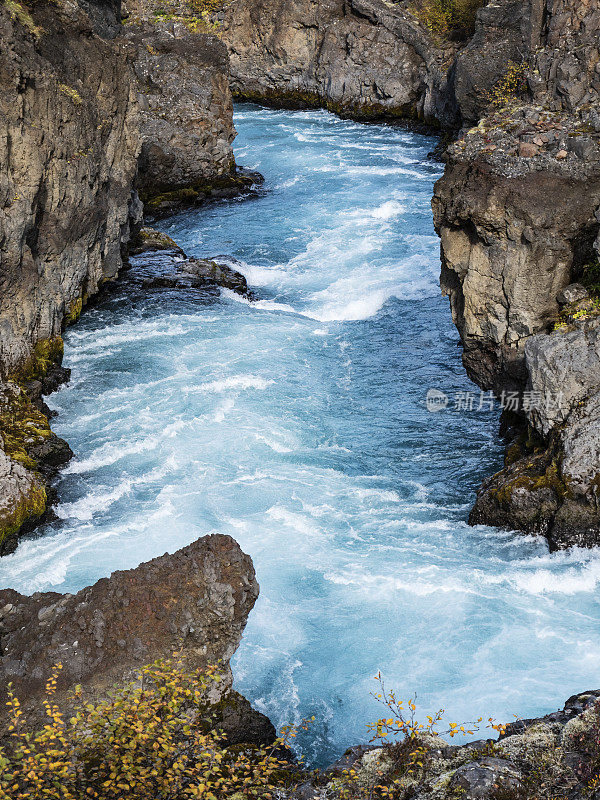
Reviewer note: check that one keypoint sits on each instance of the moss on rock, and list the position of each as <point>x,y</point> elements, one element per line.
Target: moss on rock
<point>74,309</point>
<point>26,438</point>
<point>226,185</point>
<point>46,354</point>
<point>149,239</point>
<point>29,508</point>
<point>22,426</point>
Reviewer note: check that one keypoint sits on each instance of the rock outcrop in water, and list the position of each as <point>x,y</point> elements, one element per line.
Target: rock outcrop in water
<point>194,602</point>
<point>166,266</point>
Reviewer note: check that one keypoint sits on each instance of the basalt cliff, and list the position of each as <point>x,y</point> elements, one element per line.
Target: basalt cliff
<point>518,215</point>
<point>94,114</point>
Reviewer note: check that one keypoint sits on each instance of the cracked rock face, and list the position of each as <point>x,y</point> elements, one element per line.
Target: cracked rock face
<point>554,487</point>
<point>187,118</point>
<point>69,142</point>
<point>195,602</point>
<point>518,214</point>
<point>362,58</point>
<point>506,254</point>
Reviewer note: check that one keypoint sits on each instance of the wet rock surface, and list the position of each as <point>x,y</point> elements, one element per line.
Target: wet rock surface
<point>194,602</point>
<point>159,263</point>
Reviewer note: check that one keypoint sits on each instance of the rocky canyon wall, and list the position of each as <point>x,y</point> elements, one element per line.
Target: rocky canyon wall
<point>360,58</point>
<point>187,114</point>
<point>92,112</point>
<point>518,213</point>
<point>69,146</point>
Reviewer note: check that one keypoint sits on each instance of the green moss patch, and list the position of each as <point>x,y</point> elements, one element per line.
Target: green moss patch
<point>30,507</point>
<point>590,278</point>
<point>151,239</point>
<point>367,112</point>
<point>46,354</point>
<point>22,427</point>
<point>532,474</point>
<point>74,309</point>
<point>197,193</point>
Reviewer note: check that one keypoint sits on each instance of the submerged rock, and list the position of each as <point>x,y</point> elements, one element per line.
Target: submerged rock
<point>165,266</point>
<point>194,602</point>
<point>149,240</point>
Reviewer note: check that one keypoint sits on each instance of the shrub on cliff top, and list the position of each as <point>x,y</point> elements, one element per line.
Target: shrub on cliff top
<point>151,739</point>
<point>448,17</point>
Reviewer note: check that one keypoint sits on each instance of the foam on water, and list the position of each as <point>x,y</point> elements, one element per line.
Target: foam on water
<point>297,424</point>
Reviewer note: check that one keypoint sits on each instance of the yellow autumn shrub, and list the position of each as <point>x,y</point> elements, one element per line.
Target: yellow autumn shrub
<point>151,739</point>
<point>448,16</point>
<point>510,85</point>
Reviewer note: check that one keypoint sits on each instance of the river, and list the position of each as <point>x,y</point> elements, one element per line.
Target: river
<point>298,424</point>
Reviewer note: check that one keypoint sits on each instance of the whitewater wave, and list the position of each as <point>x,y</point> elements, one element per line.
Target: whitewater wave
<point>233,382</point>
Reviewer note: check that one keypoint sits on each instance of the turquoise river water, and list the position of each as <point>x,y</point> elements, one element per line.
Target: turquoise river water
<point>298,424</point>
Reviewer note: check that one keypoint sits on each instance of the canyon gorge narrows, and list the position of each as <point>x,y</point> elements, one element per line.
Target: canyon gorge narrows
<point>282,421</point>
<point>96,111</point>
